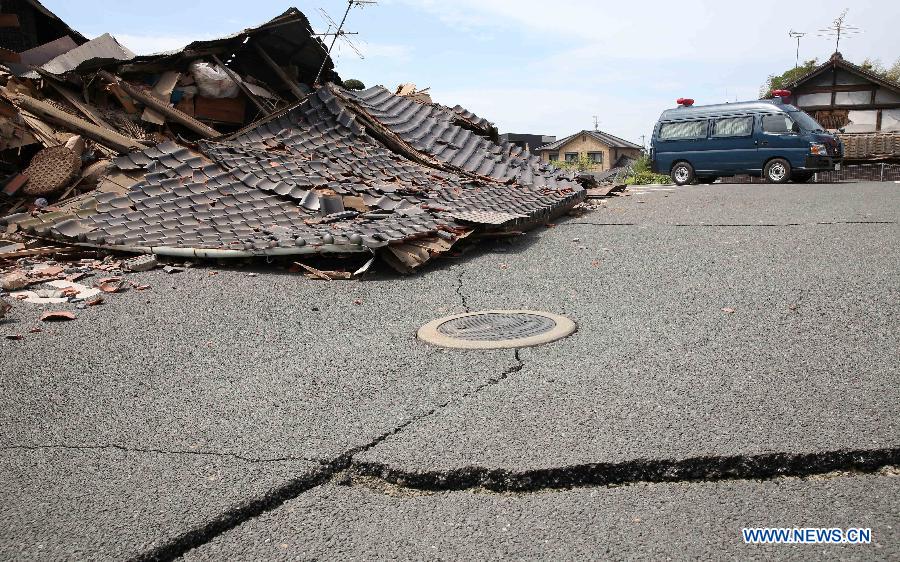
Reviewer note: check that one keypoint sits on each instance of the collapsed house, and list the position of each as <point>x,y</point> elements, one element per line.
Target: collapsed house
<point>233,148</point>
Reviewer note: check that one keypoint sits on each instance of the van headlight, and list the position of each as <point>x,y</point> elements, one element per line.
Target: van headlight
<point>818,149</point>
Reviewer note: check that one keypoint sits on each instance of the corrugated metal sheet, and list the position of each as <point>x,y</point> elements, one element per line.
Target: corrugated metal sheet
<point>103,47</point>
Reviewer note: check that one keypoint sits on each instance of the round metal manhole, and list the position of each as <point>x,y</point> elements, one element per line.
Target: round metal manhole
<point>496,329</point>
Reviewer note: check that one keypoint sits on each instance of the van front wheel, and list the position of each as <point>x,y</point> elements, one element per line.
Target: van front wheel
<point>682,173</point>
<point>777,170</point>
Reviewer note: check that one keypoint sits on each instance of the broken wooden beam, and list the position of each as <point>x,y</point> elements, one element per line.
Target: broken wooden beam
<point>295,89</point>
<point>160,106</point>
<point>72,98</point>
<point>237,80</point>
<point>104,136</point>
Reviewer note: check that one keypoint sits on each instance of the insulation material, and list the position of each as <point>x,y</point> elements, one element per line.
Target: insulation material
<point>213,81</point>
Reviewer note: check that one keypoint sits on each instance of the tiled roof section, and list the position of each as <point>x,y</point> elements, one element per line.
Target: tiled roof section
<point>431,129</point>
<point>311,180</point>
<point>837,61</point>
<point>606,138</point>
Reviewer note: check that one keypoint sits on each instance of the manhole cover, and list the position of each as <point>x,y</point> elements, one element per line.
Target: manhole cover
<point>496,329</point>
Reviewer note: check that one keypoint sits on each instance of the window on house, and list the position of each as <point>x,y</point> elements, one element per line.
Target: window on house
<point>733,127</point>
<point>554,156</point>
<point>571,157</point>
<point>682,130</point>
<point>595,157</point>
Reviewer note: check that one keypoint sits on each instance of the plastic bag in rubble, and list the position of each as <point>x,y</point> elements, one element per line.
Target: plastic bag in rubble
<point>213,81</point>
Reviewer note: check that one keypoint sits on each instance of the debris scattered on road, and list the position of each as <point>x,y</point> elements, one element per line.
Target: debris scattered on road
<point>111,284</point>
<point>728,310</point>
<point>57,316</point>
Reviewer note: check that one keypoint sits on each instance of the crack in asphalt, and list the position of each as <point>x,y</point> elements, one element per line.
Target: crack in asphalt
<point>459,290</point>
<point>249,510</point>
<point>114,446</point>
<point>706,469</point>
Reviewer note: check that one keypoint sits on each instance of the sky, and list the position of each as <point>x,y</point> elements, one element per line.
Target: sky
<point>539,67</point>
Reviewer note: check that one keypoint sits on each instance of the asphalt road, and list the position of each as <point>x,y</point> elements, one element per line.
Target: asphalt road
<point>271,416</point>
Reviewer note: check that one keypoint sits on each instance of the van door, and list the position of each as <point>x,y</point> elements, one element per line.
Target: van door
<point>681,140</point>
<point>734,147</point>
<point>779,138</point>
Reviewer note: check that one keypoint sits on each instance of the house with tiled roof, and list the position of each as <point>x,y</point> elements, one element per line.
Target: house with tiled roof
<point>859,105</point>
<point>603,149</point>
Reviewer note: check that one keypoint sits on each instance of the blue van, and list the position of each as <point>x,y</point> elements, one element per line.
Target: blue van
<point>765,138</point>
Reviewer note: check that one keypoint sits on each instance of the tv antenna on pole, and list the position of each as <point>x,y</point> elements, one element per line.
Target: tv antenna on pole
<point>797,35</point>
<point>839,28</point>
<point>339,32</point>
<point>596,123</point>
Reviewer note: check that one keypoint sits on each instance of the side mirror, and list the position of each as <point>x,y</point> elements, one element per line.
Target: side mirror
<point>842,130</point>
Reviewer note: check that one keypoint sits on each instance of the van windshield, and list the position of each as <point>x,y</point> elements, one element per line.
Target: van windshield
<point>806,122</point>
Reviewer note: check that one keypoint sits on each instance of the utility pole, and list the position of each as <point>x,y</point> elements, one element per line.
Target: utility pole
<point>797,35</point>
<point>339,32</point>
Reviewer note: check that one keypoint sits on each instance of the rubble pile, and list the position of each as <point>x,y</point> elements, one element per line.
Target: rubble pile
<point>231,148</point>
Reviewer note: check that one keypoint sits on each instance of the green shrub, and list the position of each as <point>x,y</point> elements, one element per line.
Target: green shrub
<point>641,174</point>
<point>354,84</point>
<point>583,164</point>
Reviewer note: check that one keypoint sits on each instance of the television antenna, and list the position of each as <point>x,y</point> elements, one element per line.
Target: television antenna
<point>797,35</point>
<point>339,32</point>
<point>596,123</point>
<point>839,28</point>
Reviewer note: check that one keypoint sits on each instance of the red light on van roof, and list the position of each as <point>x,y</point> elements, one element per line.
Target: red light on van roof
<point>782,93</point>
<point>687,102</point>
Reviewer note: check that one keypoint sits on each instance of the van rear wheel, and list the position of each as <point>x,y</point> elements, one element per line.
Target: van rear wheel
<point>777,170</point>
<point>682,173</point>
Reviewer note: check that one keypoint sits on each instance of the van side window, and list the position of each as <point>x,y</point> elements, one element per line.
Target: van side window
<point>683,130</point>
<point>733,127</point>
<point>777,124</point>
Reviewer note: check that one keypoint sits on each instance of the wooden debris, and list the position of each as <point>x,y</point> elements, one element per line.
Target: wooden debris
<point>104,136</point>
<point>159,106</point>
<point>324,275</point>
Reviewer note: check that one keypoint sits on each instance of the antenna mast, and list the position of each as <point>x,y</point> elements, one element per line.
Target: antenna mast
<point>797,35</point>
<point>838,29</point>
<point>340,32</point>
